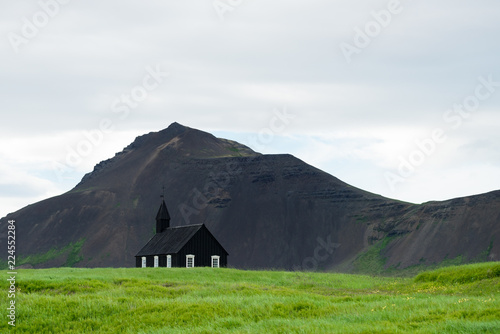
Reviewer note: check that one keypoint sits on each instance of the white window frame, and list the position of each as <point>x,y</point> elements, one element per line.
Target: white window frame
<point>215,257</point>
<point>143,262</point>
<point>189,257</point>
<point>156,263</point>
<point>169,261</point>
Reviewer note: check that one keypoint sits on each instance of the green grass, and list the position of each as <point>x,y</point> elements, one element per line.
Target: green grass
<point>462,274</point>
<point>462,299</point>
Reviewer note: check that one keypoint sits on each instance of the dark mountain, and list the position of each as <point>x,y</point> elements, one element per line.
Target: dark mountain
<point>268,211</point>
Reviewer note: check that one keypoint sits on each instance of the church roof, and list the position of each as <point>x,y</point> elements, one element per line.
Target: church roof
<point>169,241</point>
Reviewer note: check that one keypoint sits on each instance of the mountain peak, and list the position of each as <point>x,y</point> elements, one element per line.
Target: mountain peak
<point>175,142</point>
<point>176,125</point>
<point>175,128</point>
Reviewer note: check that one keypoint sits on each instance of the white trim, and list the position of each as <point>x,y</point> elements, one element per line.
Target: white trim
<point>143,262</point>
<point>156,261</point>
<point>215,261</point>
<point>169,261</point>
<point>190,257</point>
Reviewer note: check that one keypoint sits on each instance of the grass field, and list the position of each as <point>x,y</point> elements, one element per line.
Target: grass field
<point>462,299</point>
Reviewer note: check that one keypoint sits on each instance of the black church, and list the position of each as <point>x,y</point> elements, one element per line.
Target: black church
<point>184,246</point>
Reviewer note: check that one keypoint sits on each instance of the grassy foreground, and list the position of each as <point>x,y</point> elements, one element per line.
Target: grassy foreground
<point>462,299</point>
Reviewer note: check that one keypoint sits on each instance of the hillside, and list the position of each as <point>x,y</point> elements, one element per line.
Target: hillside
<point>269,211</point>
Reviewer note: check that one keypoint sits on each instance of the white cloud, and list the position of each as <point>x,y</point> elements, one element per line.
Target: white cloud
<point>354,120</point>
<point>33,168</point>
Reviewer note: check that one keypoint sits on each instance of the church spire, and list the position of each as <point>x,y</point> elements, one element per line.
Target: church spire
<point>162,217</point>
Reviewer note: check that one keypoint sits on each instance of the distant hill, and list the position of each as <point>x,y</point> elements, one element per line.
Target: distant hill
<point>268,211</point>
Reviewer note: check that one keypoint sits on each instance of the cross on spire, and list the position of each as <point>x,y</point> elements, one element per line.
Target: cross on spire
<point>162,192</point>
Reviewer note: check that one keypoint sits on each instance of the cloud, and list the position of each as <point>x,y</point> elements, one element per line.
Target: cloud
<point>228,76</point>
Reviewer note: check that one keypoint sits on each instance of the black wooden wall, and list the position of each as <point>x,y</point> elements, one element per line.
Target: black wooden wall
<point>202,245</point>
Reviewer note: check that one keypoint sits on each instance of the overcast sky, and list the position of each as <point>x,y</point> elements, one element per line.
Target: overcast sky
<point>400,98</point>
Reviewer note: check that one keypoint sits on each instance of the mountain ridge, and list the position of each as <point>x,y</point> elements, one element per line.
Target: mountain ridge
<point>272,211</point>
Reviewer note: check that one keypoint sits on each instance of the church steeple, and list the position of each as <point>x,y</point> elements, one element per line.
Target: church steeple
<point>162,217</point>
